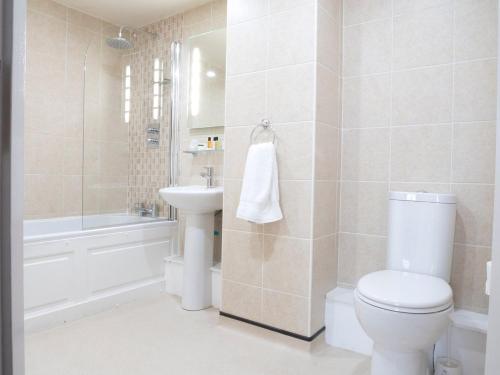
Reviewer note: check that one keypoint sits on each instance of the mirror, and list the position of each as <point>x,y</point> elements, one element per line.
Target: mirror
<point>207,79</point>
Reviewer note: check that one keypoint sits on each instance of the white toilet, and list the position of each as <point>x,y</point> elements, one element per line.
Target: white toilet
<point>405,309</point>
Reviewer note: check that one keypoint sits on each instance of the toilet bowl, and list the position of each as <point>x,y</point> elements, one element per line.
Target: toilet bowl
<point>404,314</point>
<point>405,308</point>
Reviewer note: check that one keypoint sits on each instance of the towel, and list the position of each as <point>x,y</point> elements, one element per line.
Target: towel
<point>259,199</point>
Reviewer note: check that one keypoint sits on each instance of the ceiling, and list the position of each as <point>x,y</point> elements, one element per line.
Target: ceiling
<point>132,12</point>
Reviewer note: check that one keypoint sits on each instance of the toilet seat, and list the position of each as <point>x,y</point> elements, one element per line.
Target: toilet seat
<point>405,292</point>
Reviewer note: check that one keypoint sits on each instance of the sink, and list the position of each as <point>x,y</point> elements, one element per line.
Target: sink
<point>199,203</point>
<point>194,199</point>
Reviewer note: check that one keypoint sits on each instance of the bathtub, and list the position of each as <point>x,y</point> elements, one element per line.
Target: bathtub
<point>78,266</point>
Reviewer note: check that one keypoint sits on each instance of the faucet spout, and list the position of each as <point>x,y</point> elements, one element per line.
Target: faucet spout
<point>208,175</point>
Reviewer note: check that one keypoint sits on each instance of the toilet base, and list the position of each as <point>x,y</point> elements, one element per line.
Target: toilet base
<point>392,362</point>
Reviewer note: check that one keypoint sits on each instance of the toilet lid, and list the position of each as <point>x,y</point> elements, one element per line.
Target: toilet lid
<point>405,291</point>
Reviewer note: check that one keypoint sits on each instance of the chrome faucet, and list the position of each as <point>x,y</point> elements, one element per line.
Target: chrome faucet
<point>208,174</point>
<point>151,211</point>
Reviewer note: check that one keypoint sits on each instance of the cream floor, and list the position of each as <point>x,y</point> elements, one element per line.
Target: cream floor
<point>156,337</point>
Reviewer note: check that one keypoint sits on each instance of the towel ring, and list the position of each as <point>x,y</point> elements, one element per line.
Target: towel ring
<point>266,125</point>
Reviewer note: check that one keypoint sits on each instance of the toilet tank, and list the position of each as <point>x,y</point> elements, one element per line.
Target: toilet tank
<point>421,231</point>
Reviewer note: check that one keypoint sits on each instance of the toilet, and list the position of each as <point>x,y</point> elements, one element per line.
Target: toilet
<point>405,308</point>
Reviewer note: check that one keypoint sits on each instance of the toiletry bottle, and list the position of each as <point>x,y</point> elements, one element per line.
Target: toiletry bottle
<point>216,143</point>
<point>209,143</point>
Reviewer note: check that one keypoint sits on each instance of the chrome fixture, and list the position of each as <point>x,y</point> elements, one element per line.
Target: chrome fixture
<point>153,142</point>
<point>174,128</point>
<point>142,210</point>
<point>266,126</point>
<point>208,174</point>
<point>152,130</point>
<point>120,42</point>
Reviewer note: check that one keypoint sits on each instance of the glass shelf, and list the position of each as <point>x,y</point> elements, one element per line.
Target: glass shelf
<point>201,152</point>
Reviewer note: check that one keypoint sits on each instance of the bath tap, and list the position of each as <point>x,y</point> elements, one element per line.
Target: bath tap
<point>141,210</point>
<point>208,174</point>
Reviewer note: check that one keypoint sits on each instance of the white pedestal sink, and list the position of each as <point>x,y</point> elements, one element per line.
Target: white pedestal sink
<point>199,204</point>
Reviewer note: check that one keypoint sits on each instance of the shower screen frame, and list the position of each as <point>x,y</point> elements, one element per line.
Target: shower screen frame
<point>174,136</point>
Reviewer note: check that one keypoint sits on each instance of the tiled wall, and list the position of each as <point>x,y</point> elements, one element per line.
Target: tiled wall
<point>108,164</point>
<point>419,106</point>
<point>282,67</point>
<point>57,38</point>
<point>149,167</point>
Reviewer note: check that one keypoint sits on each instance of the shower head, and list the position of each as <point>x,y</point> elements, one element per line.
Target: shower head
<point>119,42</point>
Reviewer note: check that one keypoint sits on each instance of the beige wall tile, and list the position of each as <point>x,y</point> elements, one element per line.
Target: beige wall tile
<point>474,214</point>
<point>296,205</point>
<point>243,10</point>
<point>291,39</point>
<point>114,158</point>
<point>197,15</point>
<point>48,7</point>
<point>324,277</point>
<point>409,6</point>
<point>329,40</point>
<point>474,153</point>
<point>424,37</point>
<point>232,191</point>
<point>475,91</point>
<point>360,11</point>
<point>246,99</point>
<point>242,300</point>
<point>420,186</point>
<point>325,208</point>
<point>237,141</point>
<point>327,96</point>
<point>475,29</point>
<point>422,96</point>
<point>285,311</point>
<point>295,150</point>
<point>366,101</point>
<point>287,264</point>
<point>333,8</point>
<point>43,154</point>
<point>282,5</point>
<point>291,93</point>
<point>84,20</point>
<point>254,36</point>
<point>366,155</point>
<point>45,33</point>
<point>421,153</point>
<point>73,156</point>
<point>243,256</point>
<point>360,255</point>
<point>326,152</point>
<point>43,195</point>
<point>469,277</point>
<point>367,48</point>
<point>363,207</point>
<point>72,195</point>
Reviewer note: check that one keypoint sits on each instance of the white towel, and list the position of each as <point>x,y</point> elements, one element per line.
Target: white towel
<point>259,199</point>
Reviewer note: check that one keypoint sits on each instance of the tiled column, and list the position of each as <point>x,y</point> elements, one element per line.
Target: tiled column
<point>283,65</point>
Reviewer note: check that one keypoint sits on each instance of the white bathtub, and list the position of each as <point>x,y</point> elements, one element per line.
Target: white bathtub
<point>70,272</point>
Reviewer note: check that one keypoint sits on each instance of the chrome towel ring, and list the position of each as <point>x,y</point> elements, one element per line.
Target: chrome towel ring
<point>266,125</point>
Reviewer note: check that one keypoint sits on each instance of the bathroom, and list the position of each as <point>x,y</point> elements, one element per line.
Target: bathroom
<point>250,187</point>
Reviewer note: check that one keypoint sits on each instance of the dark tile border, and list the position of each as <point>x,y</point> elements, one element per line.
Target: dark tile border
<point>274,329</point>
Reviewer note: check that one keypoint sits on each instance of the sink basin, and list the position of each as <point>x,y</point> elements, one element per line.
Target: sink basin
<point>194,199</point>
<point>199,203</point>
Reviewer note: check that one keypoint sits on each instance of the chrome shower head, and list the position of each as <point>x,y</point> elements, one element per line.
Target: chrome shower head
<point>119,42</point>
